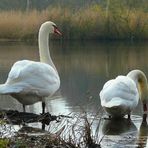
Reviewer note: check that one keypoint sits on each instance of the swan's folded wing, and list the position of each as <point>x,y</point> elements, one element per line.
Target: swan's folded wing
<point>120,91</point>
<point>13,77</point>
<point>32,78</point>
<point>16,69</point>
<point>9,89</point>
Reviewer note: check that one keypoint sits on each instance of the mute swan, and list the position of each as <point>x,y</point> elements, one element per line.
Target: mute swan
<point>30,81</point>
<point>120,96</point>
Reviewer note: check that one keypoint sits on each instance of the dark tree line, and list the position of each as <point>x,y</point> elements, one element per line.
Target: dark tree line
<point>42,4</point>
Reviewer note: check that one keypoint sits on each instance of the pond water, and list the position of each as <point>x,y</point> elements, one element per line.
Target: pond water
<point>83,68</point>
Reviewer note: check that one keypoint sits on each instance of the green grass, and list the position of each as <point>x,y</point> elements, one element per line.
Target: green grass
<point>86,23</point>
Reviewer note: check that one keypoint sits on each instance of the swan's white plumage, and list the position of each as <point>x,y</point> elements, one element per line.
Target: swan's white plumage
<point>29,81</point>
<point>31,78</point>
<point>119,96</point>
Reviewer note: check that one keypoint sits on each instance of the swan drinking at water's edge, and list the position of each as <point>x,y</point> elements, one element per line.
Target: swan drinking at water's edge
<point>30,81</point>
<point>120,96</point>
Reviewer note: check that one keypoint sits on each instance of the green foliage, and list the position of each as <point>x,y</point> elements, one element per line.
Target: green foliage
<point>4,143</point>
<point>20,143</point>
<point>2,122</point>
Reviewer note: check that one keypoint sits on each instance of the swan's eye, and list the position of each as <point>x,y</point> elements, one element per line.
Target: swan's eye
<point>55,26</point>
<point>56,30</point>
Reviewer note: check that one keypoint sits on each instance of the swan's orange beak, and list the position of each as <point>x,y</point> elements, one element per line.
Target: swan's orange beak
<point>56,31</point>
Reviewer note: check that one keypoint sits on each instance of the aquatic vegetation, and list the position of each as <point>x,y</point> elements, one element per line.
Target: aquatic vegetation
<point>4,143</point>
<point>92,22</point>
<point>81,130</point>
<point>73,131</point>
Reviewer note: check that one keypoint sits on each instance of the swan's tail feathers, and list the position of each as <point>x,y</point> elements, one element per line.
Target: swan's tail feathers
<point>8,89</point>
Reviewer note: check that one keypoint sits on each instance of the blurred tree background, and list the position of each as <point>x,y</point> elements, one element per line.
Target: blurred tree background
<point>86,19</point>
<point>42,4</point>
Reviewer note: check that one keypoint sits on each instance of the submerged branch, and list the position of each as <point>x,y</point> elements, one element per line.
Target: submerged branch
<point>16,117</point>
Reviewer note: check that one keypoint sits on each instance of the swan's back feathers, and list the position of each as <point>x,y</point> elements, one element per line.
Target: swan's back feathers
<point>121,91</point>
<point>29,77</point>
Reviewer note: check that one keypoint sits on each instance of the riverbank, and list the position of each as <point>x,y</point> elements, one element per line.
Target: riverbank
<point>91,23</point>
<point>68,134</point>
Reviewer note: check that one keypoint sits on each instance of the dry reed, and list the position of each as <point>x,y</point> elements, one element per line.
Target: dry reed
<point>90,23</point>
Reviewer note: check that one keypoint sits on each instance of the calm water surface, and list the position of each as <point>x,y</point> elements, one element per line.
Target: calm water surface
<point>83,68</point>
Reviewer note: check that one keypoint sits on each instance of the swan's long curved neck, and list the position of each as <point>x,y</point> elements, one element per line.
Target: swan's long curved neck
<point>141,82</point>
<point>44,52</point>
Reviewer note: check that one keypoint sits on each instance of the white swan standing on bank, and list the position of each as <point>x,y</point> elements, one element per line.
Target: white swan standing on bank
<point>120,96</point>
<point>30,81</point>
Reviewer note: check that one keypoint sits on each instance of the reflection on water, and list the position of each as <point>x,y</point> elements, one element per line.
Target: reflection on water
<point>118,133</point>
<point>117,126</point>
<point>83,68</point>
<point>143,135</point>
<point>124,133</point>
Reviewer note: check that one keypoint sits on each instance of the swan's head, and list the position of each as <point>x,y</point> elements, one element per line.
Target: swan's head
<point>50,27</point>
